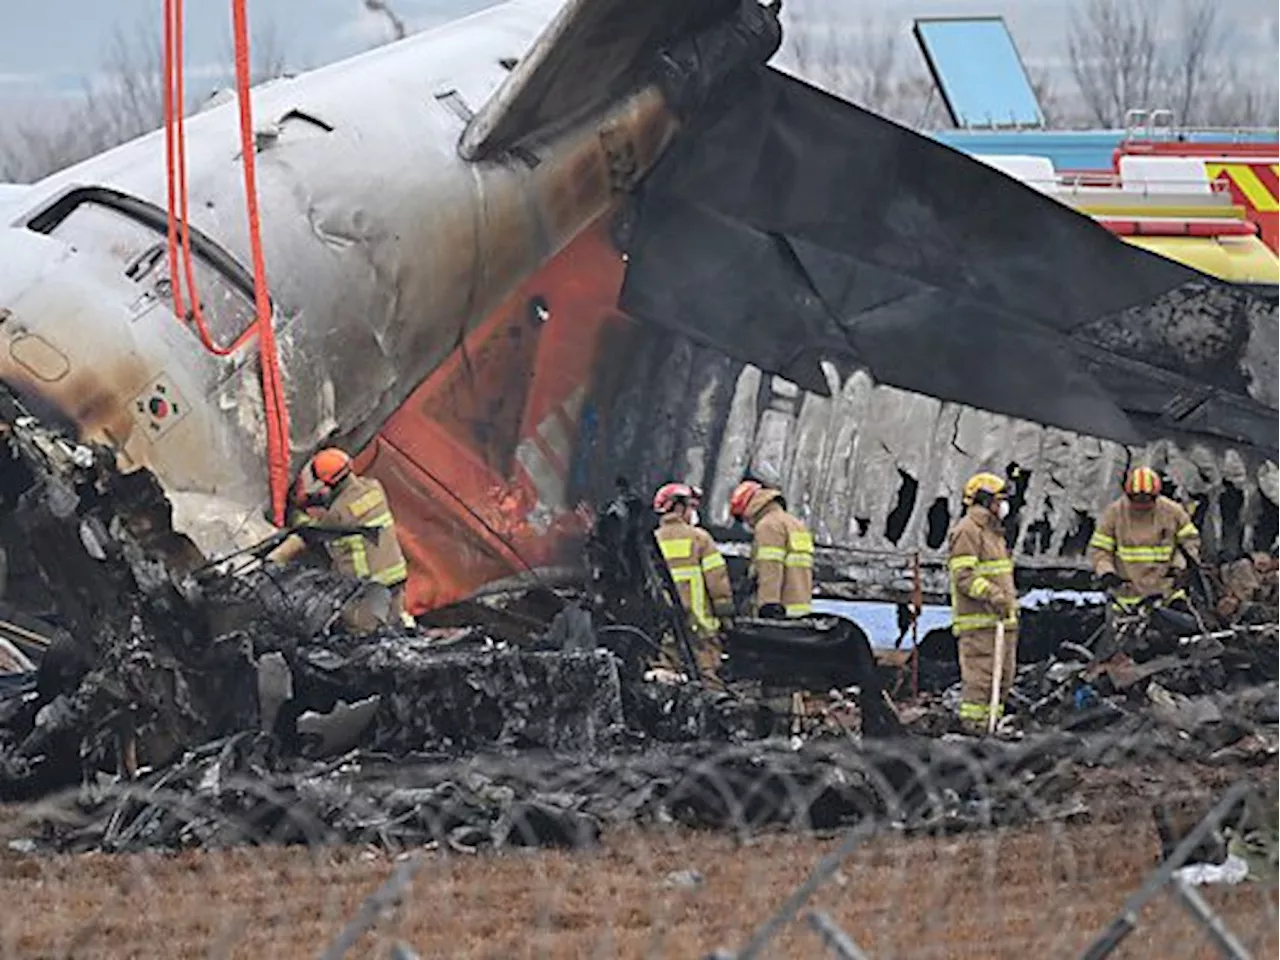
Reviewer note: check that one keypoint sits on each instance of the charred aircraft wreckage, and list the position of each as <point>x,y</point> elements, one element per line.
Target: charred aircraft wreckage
<point>509,261</point>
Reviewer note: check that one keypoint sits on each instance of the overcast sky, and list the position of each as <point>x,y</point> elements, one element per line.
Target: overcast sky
<point>51,46</point>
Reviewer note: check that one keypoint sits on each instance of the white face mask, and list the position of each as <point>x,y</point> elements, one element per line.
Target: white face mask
<point>1002,511</point>
<point>693,516</point>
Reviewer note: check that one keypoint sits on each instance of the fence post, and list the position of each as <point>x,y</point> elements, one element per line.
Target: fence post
<point>836,940</point>
<point>1209,921</point>
<point>1127,920</point>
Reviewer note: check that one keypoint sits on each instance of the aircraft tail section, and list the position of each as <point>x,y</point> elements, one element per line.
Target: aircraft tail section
<point>595,52</point>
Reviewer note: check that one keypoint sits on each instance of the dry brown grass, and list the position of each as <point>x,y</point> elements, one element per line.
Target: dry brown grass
<point>1039,892</point>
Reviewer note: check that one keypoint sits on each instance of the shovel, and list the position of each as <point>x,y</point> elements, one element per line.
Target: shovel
<point>996,678</point>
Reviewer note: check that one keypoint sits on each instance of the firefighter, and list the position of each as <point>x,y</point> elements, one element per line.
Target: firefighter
<point>697,568</point>
<point>1137,549</point>
<point>329,493</point>
<point>781,551</point>
<point>982,595</point>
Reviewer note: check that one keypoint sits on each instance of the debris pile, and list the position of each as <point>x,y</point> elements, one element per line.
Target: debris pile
<point>463,701</point>
<point>231,792</point>
<point>228,792</point>
<point>1248,589</point>
<point>163,652</point>
<point>191,706</point>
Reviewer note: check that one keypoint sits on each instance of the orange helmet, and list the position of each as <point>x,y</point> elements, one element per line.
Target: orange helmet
<point>1142,481</point>
<point>331,466</point>
<point>740,499</point>
<point>668,494</point>
<point>323,472</point>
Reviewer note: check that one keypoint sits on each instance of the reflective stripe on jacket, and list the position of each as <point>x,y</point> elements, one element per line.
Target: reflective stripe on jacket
<point>1141,547</point>
<point>981,572</point>
<point>699,571</point>
<point>781,556</point>
<point>361,502</point>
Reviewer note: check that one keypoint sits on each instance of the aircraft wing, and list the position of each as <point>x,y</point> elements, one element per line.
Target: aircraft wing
<point>784,224</point>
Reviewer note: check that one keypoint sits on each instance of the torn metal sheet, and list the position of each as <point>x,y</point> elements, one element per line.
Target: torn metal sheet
<point>183,675</point>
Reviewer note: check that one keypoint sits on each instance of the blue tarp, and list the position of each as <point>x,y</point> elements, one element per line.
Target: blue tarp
<point>880,620</point>
<point>1071,149</point>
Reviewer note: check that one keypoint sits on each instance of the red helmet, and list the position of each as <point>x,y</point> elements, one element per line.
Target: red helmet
<point>696,492</point>
<point>664,501</point>
<point>741,497</point>
<point>1143,481</point>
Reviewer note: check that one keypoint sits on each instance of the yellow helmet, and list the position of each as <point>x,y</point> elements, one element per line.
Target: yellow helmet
<point>982,483</point>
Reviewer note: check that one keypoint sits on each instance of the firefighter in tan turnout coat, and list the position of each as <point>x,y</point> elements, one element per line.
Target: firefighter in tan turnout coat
<point>781,552</point>
<point>982,595</point>
<point>330,494</point>
<point>698,569</point>
<point>1137,549</point>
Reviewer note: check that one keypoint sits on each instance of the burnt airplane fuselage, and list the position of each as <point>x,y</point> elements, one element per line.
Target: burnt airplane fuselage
<point>384,250</point>
<point>444,220</point>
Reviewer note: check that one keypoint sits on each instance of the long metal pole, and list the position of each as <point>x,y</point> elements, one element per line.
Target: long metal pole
<point>917,598</point>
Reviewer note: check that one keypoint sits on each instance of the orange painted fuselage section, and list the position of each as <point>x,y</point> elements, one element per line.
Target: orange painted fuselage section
<point>478,462</point>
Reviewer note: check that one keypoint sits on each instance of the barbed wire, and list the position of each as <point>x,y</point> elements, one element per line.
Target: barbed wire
<point>943,848</point>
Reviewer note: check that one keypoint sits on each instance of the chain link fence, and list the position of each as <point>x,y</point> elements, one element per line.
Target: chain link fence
<point>897,849</point>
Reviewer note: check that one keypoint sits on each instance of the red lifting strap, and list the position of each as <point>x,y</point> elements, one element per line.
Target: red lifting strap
<point>277,412</point>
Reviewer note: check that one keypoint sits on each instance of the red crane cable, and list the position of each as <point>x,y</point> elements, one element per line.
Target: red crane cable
<point>175,286</point>
<point>276,410</point>
<point>184,213</point>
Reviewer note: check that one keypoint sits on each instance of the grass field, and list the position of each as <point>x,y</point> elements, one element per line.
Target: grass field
<point>1030,892</point>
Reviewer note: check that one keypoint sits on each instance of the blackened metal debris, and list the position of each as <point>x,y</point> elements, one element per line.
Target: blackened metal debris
<point>212,704</point>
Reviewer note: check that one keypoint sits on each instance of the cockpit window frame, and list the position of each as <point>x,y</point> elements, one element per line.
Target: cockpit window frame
<point>47,219</point>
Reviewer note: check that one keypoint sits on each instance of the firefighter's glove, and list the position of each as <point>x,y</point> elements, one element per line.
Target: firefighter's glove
<point>1110,580</point>
<point>773,611</point>
<point>724,609</point>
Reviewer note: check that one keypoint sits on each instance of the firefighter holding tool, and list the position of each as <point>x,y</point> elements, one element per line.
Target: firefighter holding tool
<point>329,493</point>
<point>984,603</point>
